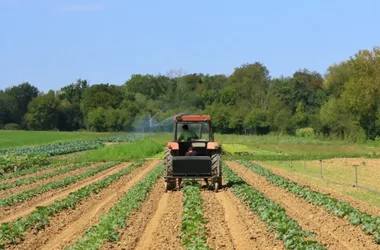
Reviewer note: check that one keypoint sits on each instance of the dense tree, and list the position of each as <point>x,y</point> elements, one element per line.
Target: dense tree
<point>43,112</point>
<point>8,109</point>
<point>345,104</point>
<point>71,117</point>
<point>22,94</point>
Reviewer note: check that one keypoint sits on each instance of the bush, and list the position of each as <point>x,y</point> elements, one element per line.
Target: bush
<point>305,132</point>
<point>12,126</point>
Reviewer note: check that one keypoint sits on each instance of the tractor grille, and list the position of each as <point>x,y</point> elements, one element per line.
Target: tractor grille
<point>192,166</point>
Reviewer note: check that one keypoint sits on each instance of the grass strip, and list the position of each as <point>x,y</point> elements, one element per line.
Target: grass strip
<point>194,232</point>
<point>369,225</point>
<point>108,226</point>
<point>33,179</point>
<point>286,229</point>
<point>23,196</point>
<point>39,218</point>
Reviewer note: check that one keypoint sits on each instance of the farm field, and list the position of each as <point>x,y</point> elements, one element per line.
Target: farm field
<point>122,205</point>
<point>113,197</point>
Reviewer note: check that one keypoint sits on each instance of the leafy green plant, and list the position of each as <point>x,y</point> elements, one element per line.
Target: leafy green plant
<point>286,229</point>
<point>369,225</point>
<point>109,224</point>
<point>39,218</point>
<point>193,223</point>
<point>20,197</point>
<point>13,163</point>
<point>33,179</point>
<point>30,170</point>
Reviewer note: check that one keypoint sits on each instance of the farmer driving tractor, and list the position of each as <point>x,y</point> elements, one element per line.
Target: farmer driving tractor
<point>187,135</point>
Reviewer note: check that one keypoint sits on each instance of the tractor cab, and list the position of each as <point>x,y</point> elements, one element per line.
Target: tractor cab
<point>193,135</point>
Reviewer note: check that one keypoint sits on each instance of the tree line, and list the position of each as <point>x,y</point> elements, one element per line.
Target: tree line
<point>343,103</point>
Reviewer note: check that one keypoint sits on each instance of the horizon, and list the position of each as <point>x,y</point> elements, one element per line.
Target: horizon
<point>52,44</point>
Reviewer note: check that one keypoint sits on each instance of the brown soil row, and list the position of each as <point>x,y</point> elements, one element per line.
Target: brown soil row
<point>35,174</point>
<point>332,232</point>
<point>231,225</point>
<point>4,193</point>
<point>162,231</point>
<point>69,225</point>
<point>25,208</point>
<point>143,223</point>
<point>365,207</point>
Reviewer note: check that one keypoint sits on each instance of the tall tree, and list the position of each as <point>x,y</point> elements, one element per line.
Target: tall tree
<point>70,96</point>
<point>43,112</point>
<point>8,109</point>
<point>23,94</point>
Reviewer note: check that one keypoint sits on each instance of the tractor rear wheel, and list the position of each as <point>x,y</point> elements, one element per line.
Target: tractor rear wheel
<point>168,162</point>
<point>216,170</point>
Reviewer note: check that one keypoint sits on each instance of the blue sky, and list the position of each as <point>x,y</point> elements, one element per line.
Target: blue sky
<point>51,43</point>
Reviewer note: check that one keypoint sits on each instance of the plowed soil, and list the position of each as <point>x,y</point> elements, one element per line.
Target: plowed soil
<point>143,223</point>
<point>4,193</point>
<point>162,231</point>
<point>354,202</point>
<point>25,208</point>
<point>69,225</point>
<point>158,222</point>
<point>332,232</point>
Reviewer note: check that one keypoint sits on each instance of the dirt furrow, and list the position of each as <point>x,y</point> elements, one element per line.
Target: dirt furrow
<point>246,229</point>
<point>69,225</point>
<point>365,207</point>
<point>218,236</point>
<point>164,228</point>
<point>332,232</point>
<point>4,193</point>
<point>141,224</point>
<point>23,209</point>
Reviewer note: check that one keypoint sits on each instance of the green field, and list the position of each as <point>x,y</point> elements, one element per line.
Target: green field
<point>15,139</point>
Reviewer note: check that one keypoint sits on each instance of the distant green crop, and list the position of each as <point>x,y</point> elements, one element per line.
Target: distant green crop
<point>370,225</point>
<point>13,163</point>
<point>61,148</point>
<point>287,229</point>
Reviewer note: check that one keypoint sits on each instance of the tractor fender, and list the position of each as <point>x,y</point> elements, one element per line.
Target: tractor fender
<point>212,145</point>
<point>173,145</point>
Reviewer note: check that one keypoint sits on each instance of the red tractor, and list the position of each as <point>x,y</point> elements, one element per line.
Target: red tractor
<point>194,154</point>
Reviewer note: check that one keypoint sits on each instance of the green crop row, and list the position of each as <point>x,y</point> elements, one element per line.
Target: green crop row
<point>39,218</point>
<point>287,229</point>
<point>20,197</point>
<point>61,148</point>
<point>33,179</point>
<point>14,163</point>
<point>370,225</point>
<point>31,170</point>
<point>193,223</point>
<point>109,225</point>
